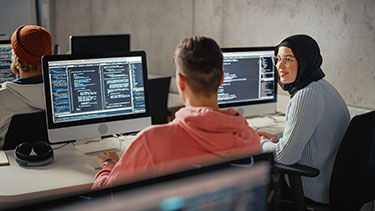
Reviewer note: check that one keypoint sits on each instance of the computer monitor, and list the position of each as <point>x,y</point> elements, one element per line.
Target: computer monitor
<point>250,84</point>
<point>99,43</point>
<point>226,189</point>
<point>6,73</point>
<point>95,95</point>
<point>159,90</point>
<point>222,189</point>
<point>226,185</point>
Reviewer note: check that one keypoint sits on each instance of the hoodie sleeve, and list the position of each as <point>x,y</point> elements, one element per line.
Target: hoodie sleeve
<point>134,164</point>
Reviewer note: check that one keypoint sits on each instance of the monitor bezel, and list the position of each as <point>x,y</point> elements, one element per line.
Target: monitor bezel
<point>48,98</point>
<point>245,103</point>
<point>5,42</point>
<point>75,39</point>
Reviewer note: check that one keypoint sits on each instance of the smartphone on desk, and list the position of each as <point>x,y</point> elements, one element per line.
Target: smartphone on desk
<point>3,159</point>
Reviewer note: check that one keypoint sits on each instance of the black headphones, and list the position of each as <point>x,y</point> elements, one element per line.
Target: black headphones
<point>44,154</point>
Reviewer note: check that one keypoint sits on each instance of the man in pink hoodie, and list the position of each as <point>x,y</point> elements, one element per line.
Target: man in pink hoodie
<point>200,132</point>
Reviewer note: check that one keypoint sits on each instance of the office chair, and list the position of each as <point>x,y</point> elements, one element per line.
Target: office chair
<point>29,127</point>
<point>353,176</point>
<point>352,181</point>
<point>159,90</point>
<point>294,173</point>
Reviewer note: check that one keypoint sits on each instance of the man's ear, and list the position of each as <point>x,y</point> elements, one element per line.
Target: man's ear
<point>222,79</point>
<point>181,81</point>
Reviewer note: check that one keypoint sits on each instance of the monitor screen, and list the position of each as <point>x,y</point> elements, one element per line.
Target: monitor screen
<point>91,96</point>
<point>99,43</point>
<point>6,73</point>
<point>249,81</point>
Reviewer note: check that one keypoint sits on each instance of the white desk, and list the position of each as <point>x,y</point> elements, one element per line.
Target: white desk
<point>70,172</point>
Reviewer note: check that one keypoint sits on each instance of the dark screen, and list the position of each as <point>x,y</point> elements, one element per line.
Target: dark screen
<point>99,43</point>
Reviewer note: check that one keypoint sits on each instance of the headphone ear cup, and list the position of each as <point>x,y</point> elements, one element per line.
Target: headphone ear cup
<point>40,147</point>
<point>24,148</point>
<point>22,152</point>
<point>43,150</point>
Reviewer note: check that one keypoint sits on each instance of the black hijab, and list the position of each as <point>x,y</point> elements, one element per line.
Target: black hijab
<point>307,53</point>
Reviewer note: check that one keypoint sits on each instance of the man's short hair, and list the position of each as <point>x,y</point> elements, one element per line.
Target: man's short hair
<point>202,62</point>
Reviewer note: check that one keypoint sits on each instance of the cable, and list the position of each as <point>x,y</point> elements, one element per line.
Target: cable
<point>90,141</point>
<point>271,117</point>
<point>123,138</point>
<point>59,147</point>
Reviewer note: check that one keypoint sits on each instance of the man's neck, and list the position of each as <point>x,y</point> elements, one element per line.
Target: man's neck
<point>201,101</point>
<point>29,74</point>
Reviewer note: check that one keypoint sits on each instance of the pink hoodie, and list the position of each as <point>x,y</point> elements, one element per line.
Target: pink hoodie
<point>196,136</point>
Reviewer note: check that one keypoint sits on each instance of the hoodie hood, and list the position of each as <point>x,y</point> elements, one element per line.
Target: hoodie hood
<point>29,94</point>
<point>221,132</point>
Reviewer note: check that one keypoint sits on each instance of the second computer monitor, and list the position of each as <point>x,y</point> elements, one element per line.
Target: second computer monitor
<point>95,95</point>
<point>159,90</point>
<point>6,73</point>
<point>249,81</point>
<point>87,44</point>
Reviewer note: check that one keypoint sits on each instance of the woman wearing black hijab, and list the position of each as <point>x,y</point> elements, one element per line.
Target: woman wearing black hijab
<point>316,116</point>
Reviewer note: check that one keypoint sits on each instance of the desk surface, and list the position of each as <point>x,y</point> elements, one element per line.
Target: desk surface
<point>70,172</point>
<point>22,183</point>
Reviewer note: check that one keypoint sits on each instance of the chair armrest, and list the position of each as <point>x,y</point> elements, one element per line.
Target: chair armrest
<point>296,169</point>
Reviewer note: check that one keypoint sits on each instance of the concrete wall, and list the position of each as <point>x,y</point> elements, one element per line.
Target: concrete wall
<point>344,30</point>
<point>14,13</point>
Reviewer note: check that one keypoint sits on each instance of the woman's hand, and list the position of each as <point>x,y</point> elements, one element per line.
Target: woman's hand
<point>269,136</point>
<point>107,155</point>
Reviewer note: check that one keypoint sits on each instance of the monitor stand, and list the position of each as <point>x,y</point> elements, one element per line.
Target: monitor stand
<point>97,145</point>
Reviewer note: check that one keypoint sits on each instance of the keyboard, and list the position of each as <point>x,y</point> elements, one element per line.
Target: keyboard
<point>272,124</point>
<point>99,146</point>
<point>93,149</point>
<point>260,122</point>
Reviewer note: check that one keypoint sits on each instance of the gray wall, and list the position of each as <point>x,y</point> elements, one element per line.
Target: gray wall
<point>14,13</point>
<point>344,30</point>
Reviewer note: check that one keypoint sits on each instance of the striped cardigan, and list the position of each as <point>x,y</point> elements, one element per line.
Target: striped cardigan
<point>316,121</point>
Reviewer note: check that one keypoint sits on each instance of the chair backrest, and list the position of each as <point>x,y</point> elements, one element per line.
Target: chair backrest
<point>29,127</point>
<point>353,176</point>
<point>159,90</point>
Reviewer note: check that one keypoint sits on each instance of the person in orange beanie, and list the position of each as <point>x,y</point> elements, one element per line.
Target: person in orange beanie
<point>25,94</point>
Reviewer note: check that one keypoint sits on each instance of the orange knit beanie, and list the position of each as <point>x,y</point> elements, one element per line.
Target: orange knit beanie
<point>30,43</point>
